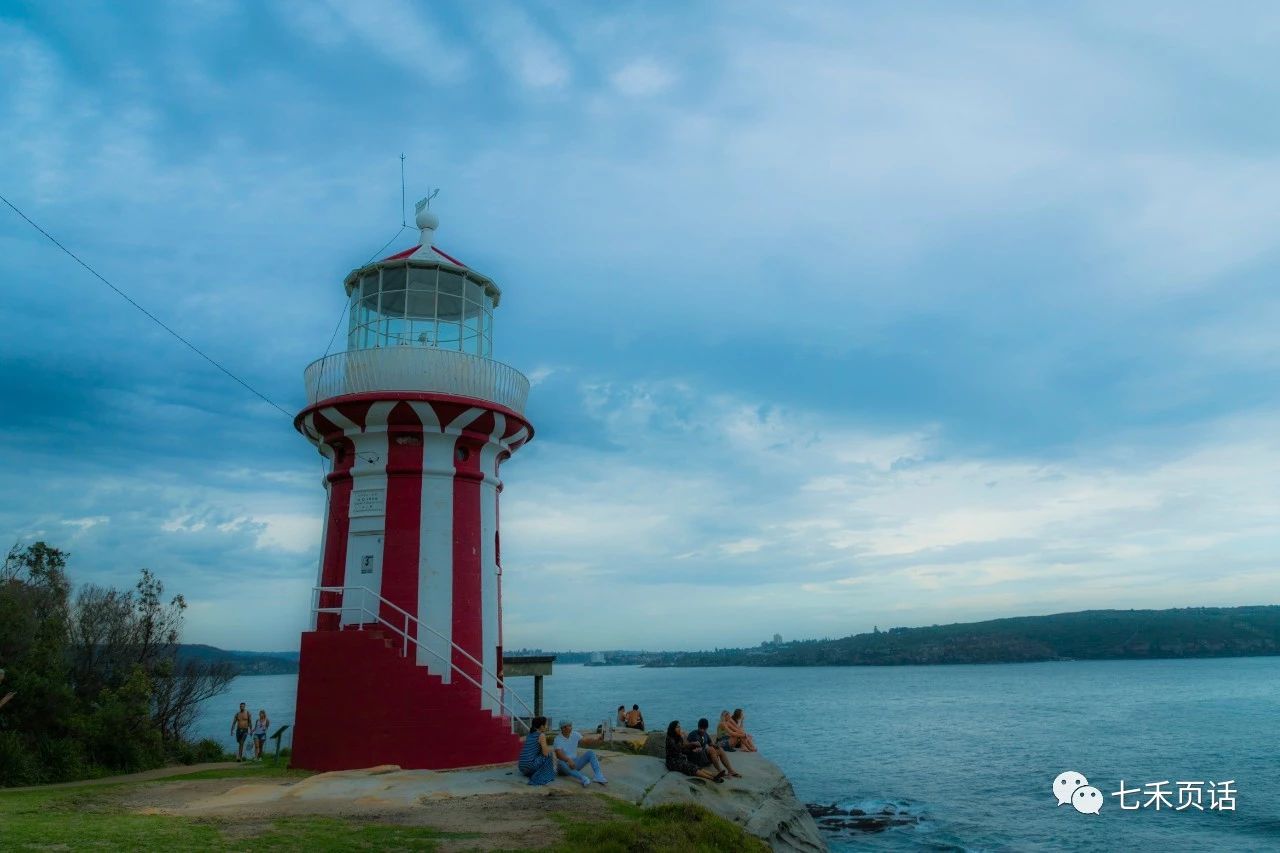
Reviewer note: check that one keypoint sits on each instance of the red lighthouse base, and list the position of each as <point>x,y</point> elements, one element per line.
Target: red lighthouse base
<point>362,703</point>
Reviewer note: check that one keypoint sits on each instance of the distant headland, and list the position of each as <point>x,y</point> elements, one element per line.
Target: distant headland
<point>1188,632</point>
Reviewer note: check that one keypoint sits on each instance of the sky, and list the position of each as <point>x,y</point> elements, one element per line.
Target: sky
<point>838,315</point>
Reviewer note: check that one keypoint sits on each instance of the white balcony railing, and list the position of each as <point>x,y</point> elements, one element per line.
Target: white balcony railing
<point>410,368</point>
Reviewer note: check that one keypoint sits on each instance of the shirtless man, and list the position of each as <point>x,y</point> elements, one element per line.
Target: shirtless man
<point>240,725</point>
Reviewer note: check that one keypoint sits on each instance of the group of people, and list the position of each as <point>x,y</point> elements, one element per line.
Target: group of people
<point>244,726</point>
<point>697,754</point>
<point>632,719</point>
<point>542,761</point>
<point>700,756</point>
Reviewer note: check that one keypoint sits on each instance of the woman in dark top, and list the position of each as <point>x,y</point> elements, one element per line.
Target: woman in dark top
<point>678,759</point>
<point>536,760</point>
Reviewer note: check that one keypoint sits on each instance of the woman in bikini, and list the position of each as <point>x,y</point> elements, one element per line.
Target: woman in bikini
<point>737,734</point>
<point>723,739</point>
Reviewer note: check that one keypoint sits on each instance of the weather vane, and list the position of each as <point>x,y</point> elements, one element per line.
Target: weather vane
<point>426,202</point>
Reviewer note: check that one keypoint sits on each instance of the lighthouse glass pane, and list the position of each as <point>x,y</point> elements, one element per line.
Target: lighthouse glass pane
<point>369,308</point>
<point>471,331</point>
<point>449,307</point>
<point>369,284</point>
<point>423,333</point>
<point>475,293</point>
<point>392,302</point>
<point>398,331</point>
<point>451,283</point>
<point>393,278</point>
<point>420,279</point>
<point>450,335</point>
<point>422,304</point>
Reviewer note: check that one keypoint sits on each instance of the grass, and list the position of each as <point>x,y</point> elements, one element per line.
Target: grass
<point>673,828</point>
<point>87,818</point>
<point>249,772</point>
<point>90,818</point>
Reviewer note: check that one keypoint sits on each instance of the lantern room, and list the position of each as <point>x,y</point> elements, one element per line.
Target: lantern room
<point>421,302</point>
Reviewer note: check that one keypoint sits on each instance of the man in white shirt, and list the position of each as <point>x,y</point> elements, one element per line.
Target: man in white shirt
<point>569,761</point>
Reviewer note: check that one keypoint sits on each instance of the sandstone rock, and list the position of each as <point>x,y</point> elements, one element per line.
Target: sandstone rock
<point>655,744</point>
<point>762,802</point>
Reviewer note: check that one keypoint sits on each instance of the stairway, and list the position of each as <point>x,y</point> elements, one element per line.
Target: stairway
<point>362,703</point>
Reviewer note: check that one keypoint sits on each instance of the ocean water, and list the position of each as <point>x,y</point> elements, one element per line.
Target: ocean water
<point>967,754</point>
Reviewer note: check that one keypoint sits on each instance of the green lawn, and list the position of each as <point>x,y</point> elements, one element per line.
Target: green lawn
<point>86,819</point>
<point>248,772</point>
<point>90,818</point>
<point>674,828</point>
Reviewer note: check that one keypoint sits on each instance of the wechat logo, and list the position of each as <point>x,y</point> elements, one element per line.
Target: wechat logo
<point>1071,788</point>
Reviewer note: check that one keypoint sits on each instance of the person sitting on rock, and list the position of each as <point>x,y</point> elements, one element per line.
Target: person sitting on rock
<point>738,736</point>
<point>705,752</point>
<point>678,756</point>
<point>723,738</point>
<point>569,761</point>
<point>536,760</point>
<point>635,720</point>
<point>622,716</point>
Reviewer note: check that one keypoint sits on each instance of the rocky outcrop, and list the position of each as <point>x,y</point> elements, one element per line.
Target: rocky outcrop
<point>762,802</point>
<point>852,822</point>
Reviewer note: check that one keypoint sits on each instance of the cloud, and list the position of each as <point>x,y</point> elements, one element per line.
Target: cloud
<point>84,524</point>
<point>833,311</point>
<point>875,523</point>
<point>540,374</point>
<point>402,34</point>
<point>530,56</point>
<point>642,78</point>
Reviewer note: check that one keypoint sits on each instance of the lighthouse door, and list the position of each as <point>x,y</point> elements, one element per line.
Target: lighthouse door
<point>364,569</point>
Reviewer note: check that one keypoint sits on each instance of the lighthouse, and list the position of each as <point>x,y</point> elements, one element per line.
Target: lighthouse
<point>403,660</point>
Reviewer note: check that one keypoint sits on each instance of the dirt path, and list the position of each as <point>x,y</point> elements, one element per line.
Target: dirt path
<point>145,776</point>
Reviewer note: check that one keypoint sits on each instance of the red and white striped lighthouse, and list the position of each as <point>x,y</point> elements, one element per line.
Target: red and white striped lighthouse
<point>403,662</point>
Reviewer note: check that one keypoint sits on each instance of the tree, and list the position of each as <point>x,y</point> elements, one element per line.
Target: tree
<point>116,633</point>
<point>178,688</point>
<point>33,639</point>
<point>92,683</point>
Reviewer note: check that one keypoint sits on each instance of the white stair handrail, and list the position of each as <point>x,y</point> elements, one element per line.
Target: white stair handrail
<point>407,639</point>
<point>404,634</point>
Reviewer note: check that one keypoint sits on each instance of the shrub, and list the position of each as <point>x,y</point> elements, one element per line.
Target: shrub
<point>180,752</point>
<point>18,762</point>
<point>209,750</point>
<point>117,731</point>
<point>63,759</point>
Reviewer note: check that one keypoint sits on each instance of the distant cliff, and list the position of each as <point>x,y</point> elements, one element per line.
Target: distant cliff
<point>1193,632</point>
<point>246,663</point>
